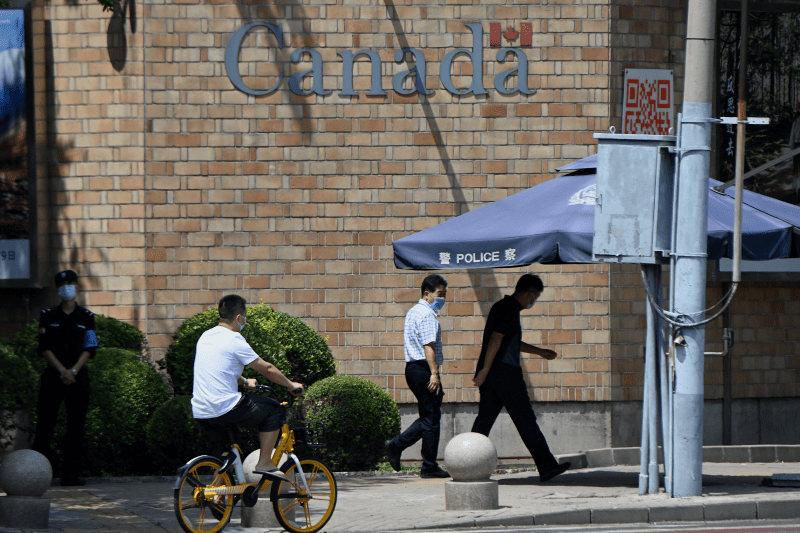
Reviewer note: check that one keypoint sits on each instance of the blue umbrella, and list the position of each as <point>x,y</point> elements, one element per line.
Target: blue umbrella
<point>554,223</point>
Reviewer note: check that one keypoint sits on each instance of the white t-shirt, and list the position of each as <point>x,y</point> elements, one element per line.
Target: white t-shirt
<point>220,359</point>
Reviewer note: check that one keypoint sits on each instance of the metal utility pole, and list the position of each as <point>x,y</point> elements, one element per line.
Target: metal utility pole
<point>691,241</point>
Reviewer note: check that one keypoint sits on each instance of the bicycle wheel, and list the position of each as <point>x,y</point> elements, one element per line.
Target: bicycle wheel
<point>195,512</point>
<point>305,513</point>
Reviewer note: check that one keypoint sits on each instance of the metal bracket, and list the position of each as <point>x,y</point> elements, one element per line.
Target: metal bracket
<point>701,121</point>
<point>756,121</point>
<point>676,150</point>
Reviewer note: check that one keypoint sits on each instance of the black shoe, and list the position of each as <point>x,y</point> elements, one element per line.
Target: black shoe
<point>72,482</point>
<point>435,474</point>
<point>393,455</point>
<point>553,472</point>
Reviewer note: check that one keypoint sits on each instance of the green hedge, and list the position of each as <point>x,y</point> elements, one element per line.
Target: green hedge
<point>358,416</point>
<point>173,436</point>
<point>125,392</point>
<point>286,342</point>
<point>17,388</point>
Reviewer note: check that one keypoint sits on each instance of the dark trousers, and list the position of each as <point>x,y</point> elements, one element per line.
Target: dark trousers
<point>426,427</point>
<point>508,390</point>
<point>52,392</point>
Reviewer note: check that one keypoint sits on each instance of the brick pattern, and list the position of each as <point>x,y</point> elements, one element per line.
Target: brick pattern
<point>764,359</point>
<point>294,200</point>
<point>170,188</point>
<point>650,35</point>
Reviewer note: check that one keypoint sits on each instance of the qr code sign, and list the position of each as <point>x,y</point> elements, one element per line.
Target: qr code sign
<point>648,102</point>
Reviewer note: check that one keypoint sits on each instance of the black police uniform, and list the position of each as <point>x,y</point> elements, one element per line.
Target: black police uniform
<point>67,336</point>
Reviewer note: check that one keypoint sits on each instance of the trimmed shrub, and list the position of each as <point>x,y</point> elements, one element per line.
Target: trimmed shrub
<point>17,386</point>
<point>358,417</point>
<point>113,333</point>
<point>125,392</point>
<point>173,436</point>
<point>286,342</point>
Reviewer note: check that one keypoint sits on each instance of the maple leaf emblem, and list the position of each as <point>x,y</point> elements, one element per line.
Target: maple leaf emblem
<point>511,34</point>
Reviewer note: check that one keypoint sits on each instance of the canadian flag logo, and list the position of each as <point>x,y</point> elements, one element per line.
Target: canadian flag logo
<point>496,34</point>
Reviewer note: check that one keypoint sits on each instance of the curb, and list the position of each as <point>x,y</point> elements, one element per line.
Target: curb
<point>761,453</point>
<point>709,512</point>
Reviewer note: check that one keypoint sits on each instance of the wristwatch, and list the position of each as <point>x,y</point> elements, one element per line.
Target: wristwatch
<point>74,372</point>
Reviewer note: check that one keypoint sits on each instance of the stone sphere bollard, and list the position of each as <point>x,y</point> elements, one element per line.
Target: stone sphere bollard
<point>261,514</point>
<point>25,475</point>
<point>470,458</point>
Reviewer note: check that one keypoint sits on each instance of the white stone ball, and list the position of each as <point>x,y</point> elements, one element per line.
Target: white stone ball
<point>25,473</point>
<point>249,464</point>
<point>470,457</point>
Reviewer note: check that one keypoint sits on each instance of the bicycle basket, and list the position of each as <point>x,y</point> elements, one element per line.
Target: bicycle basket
<point>311,434</point>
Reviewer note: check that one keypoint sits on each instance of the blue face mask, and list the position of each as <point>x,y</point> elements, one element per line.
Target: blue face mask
<point>67,292</point>
<point>437,304</point>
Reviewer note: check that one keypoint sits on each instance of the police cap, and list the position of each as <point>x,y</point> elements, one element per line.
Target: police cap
<point>67,276</point>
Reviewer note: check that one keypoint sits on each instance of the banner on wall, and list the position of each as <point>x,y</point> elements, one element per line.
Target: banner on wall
<point>15,178</point>
<point>647,102</point>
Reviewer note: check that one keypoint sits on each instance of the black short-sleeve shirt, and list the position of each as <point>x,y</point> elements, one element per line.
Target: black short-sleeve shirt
<point>503,318</point>
<point>67,335</point>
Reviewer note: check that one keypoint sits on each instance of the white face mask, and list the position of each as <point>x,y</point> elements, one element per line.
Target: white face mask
<point>530,305</point>
<point>438,303</point>
<point>243,325</point>
<point>67,292</point>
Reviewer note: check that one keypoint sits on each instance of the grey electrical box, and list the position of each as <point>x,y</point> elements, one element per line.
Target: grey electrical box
<point>633,215</point>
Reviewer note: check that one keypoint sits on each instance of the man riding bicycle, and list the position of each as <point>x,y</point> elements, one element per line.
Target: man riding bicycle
<point>222,353</point>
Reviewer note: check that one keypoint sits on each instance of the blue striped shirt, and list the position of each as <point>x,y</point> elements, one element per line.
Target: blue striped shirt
<point>421,328</point>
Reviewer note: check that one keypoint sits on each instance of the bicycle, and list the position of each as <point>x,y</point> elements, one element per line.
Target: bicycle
<point>208,487</point>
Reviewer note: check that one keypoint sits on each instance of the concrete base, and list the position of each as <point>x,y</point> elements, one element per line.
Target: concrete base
<point>24,512</point>
<point>471,496</point>
<point>262,514</point>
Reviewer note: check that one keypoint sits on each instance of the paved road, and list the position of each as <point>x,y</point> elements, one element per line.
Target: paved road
<point>597,496</point>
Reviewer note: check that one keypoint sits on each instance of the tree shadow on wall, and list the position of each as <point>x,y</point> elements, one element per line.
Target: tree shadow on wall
<point>484,283</point>
<point>61,153</point>
<point>116,38</point>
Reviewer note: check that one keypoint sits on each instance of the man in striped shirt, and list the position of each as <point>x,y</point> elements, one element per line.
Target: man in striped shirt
<point>422,343</point>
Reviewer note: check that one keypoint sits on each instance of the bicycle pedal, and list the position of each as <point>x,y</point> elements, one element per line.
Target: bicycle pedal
<point>276,475</point>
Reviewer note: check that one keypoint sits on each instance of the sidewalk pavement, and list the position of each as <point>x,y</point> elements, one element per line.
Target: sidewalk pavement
<point>391,502</point>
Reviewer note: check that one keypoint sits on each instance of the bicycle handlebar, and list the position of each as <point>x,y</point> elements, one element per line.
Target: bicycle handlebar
<point>266,388</point>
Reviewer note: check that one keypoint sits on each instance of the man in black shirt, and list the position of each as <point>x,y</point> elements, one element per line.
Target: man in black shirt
<point>67,339</point>
<point>499,375</point>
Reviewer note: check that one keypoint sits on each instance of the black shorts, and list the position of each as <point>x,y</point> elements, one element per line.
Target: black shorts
<point>260,411</point>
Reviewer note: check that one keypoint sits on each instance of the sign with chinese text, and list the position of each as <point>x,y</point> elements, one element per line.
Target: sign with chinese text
<point>647,102</point>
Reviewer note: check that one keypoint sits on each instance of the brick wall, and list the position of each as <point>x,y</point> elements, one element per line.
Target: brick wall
<point>170,188</point>
<point>649,35</point>
<point>294,200</point>
<point>764,359</point>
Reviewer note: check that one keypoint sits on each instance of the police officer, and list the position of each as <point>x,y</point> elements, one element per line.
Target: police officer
<point>67,339</point>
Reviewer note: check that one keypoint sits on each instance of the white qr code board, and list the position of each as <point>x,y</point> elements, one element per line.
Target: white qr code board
<point>647,102</point>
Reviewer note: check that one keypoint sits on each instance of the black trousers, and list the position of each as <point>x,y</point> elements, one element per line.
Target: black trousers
<point>507,389</point>
<point>429,406</point>
<point>52,392</point>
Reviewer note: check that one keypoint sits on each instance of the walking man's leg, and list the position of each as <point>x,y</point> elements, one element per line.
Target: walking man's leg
<point>518,404</point>
<point>489,408</point>
<point>426,427</point>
